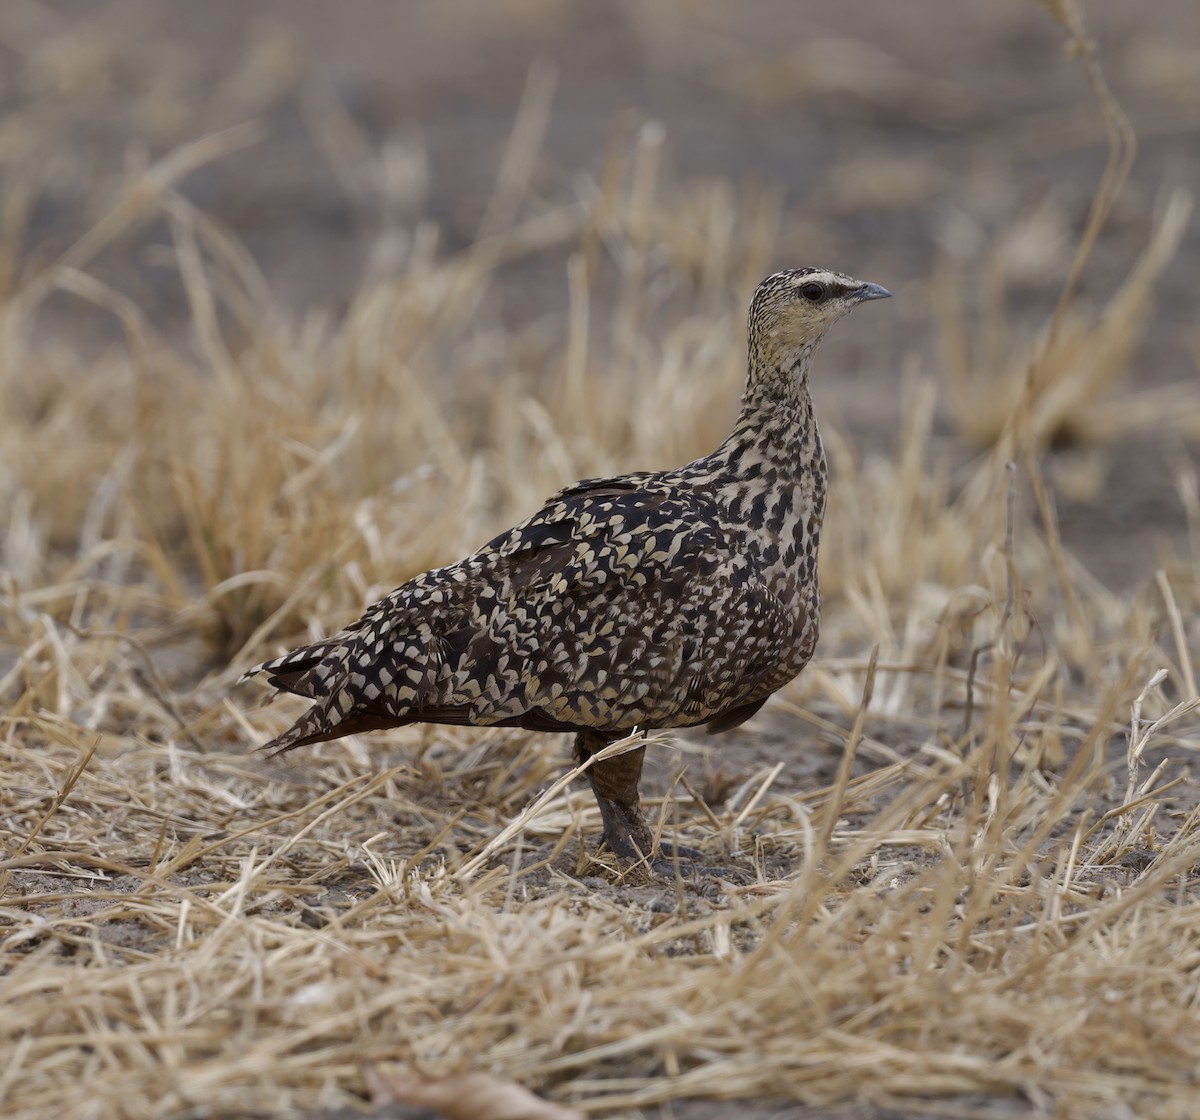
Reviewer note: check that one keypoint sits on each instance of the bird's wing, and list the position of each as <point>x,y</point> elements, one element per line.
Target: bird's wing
<point>621,603</point>
<point>659,616</point>
<point>600,487</point>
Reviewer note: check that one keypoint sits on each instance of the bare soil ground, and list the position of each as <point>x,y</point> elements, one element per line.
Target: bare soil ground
<point>253,375</point>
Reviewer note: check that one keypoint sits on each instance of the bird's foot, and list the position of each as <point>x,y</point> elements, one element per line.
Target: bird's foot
<point>626,833</point>
<point>667,859</point>
<point>628,836</point>
<point>671,851</point>
<point>697,872</point>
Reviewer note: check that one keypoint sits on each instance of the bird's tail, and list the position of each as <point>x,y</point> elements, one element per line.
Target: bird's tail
<point>342,683</point>
<point>332,717</point>
<point>293,672</point>
<point>312,727</point>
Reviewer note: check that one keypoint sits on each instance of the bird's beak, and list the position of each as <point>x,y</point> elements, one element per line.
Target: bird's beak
<point>871,291</point>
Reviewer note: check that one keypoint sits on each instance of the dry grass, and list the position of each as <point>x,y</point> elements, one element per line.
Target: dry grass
<point>998,898</point>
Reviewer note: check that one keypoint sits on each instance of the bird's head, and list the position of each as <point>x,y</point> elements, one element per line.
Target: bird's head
<point>792,310</point>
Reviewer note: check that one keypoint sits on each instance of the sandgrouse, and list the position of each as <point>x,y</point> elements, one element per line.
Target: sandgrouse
<point>650,600</point>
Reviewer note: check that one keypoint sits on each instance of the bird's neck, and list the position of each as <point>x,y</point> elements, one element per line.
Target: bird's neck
<point>775,437</point>
<point>770,477</point>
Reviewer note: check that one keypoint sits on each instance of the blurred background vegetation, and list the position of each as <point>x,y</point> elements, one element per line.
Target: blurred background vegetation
<point>950,151</point>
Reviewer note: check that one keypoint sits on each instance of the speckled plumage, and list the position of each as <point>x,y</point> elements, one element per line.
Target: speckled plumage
<point>650,600</point>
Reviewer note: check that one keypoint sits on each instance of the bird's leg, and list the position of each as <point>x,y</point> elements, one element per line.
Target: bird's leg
<point>614,781</point>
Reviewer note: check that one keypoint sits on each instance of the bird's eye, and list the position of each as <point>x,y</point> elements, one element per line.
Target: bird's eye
<point>813,291</point>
